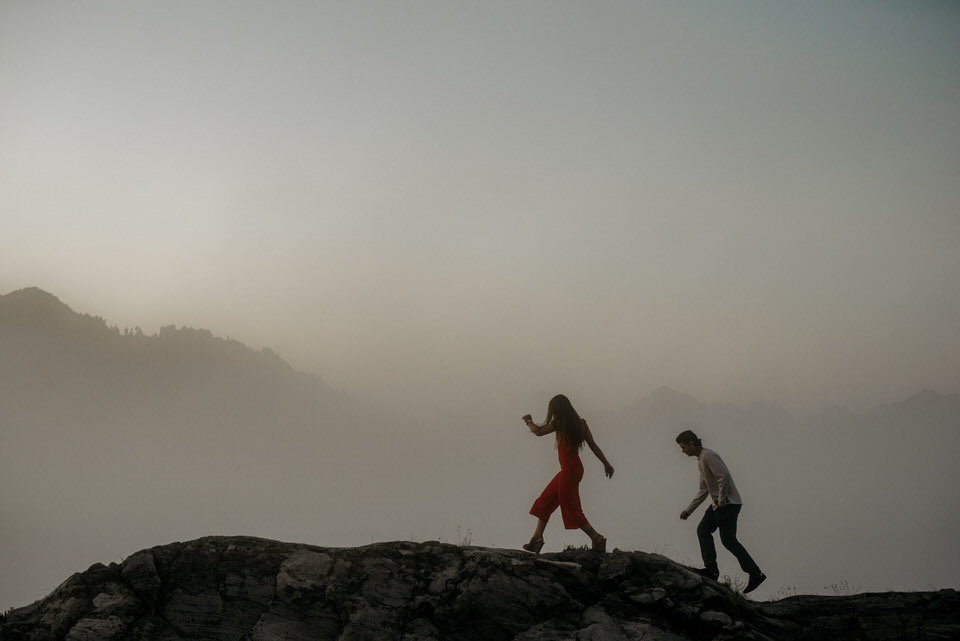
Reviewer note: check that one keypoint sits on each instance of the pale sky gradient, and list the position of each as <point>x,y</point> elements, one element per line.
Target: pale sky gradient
<point>439,203</point>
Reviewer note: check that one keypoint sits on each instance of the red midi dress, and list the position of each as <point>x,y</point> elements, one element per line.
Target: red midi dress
<point>563,491</point>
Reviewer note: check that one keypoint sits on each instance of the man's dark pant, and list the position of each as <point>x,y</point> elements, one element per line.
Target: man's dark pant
<point>724,518</point>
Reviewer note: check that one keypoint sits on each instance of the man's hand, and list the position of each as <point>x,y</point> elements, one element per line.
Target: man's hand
<point>684,515</point>
<point>526,418</point>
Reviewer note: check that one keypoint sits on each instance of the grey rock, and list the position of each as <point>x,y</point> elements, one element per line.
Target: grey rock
<point>615,566</point>
<point>61,615</point>
<point>303,571</point>
<point>387,583</point>
<point>272,627</point>
<point>721,619</point>
<point>649,598</point>
<point>116,599</point>
<point>96,629</point>
<point>140,573</point>
<point>247,589</point>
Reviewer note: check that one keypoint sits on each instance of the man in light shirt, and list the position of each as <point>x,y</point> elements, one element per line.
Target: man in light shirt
<point>717,482</point>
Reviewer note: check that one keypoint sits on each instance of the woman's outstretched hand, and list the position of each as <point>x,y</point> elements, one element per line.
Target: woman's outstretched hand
<point>528,420</point>
<point>608,470</point>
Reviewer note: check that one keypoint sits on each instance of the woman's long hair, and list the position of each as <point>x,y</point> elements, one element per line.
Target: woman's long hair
<point>560,414</point>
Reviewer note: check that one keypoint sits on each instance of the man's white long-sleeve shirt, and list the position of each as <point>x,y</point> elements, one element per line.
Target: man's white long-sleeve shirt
<point>715,480</point>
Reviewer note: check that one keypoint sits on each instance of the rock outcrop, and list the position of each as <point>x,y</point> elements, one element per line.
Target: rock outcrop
<point>247,589</point>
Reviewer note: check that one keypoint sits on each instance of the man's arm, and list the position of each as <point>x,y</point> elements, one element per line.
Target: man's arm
<point>697,500</point>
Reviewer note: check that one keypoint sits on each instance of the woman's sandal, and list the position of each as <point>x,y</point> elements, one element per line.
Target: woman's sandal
<point>534,545</point>
<point>600,545</point>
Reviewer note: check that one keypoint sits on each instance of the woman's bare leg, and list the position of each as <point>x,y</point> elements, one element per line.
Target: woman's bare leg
<point>595,536</point>
<point>541,526</point>
<point>536,543</point>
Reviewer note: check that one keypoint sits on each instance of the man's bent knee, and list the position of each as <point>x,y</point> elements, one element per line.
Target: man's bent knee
<point>729,540</point>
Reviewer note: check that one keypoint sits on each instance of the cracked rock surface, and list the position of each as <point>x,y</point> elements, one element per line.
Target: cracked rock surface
<point>248,589</point>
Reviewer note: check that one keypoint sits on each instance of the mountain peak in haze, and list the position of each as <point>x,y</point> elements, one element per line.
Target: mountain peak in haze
<point>32,304</point>
<point>925,407</point>
<point>667,400</point>
<point>924,396</point>
<point>50,352</point>
<point>664,394</point>
<point>31,293</point>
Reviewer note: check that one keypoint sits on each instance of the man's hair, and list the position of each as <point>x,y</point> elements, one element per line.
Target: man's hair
<point>687,436</point>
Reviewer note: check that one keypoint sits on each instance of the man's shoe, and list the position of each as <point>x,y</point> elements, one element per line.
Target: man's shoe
<point>754,582</point>
<point>710,574</point>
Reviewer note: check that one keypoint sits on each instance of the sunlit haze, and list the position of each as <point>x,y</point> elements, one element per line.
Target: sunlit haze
<point>441,203</point>
<point>452,211</point>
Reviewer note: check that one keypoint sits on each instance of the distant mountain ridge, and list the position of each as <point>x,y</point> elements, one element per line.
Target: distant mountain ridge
<point>31,304</point>
<point>31,317</point>
<point>668,407</point>
<point>56,356</point>
<point>29,312</point>
<point>926,403</point>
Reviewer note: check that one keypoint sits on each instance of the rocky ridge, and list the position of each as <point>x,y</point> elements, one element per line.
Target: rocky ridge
<point>249,589</point>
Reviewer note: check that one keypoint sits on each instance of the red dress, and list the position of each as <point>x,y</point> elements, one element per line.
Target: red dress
<point>563,491</point>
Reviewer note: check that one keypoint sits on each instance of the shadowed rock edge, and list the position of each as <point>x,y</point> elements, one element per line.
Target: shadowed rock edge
<point>244,588</point>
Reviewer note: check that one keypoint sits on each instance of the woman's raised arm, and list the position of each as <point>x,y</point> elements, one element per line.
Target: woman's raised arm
<point>538,430</point>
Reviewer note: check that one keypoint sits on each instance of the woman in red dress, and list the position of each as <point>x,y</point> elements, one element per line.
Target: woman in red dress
<point>563,491</point>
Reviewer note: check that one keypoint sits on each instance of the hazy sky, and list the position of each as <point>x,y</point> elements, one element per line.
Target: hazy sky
<point>448,206</point>
<point>439,203</point>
